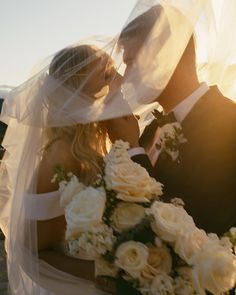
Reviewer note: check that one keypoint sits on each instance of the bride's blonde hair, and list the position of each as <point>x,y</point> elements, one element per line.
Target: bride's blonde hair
<point>88,141</point>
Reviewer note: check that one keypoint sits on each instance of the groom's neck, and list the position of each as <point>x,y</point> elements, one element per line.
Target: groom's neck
<point>170,98</point>
<point>183,82</point>
<point>181,85</point>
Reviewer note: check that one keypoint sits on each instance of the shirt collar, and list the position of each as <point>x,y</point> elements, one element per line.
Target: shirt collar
<point>183,108</point>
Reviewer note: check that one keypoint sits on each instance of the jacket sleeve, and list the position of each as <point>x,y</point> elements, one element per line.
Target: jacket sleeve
<point>144,161</point>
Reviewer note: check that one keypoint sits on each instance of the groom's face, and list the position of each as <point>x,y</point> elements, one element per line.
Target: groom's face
<point>130,47</point>
<point>133,36</point>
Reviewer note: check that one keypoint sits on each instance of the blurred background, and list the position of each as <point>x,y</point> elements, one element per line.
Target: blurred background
<point>31,30</point>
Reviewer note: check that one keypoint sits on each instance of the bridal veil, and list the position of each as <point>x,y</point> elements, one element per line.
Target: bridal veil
<point>45,101</point>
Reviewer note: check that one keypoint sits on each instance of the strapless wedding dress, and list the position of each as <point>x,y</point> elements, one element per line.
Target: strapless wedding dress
<point>52,281</point>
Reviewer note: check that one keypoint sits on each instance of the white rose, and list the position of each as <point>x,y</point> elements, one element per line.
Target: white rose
<point>69,189</point>
<point>225,242</point>
<point>85,211</point>
<point>105,268</point>
<point>185,272</point>
<point>118,153</point>
<point>169,220</point>
<point>190,242</point>
<point>213,238</point>
<point>132,258</point>
<point>159,261</point>
<point>126,216</point>
<point>183,283</point>
<point>214,269</point>
<point>132,182</point>
<point>162,284</point>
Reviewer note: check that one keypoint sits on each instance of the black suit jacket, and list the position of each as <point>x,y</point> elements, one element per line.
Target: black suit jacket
<point>205,177</point>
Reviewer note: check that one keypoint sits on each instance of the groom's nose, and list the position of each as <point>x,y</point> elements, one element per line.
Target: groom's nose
<point>127,58</point>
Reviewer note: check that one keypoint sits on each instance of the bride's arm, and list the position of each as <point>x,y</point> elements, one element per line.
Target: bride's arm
<point>76,267</point>
<point>51,232</point>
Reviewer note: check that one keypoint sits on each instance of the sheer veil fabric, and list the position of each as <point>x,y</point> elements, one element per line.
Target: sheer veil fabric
<point>45,100</point>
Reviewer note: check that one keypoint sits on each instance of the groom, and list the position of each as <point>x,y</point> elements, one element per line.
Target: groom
<point>204,173</point>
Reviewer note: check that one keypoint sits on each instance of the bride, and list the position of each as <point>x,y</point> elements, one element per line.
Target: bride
<point>59,118</point>
<point>77,148</point>
<point>51,133</point>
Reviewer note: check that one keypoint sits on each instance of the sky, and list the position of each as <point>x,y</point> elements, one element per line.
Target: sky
<point>31,29</point>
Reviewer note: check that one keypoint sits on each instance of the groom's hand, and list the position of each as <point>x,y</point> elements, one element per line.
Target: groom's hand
<point>125,128</point>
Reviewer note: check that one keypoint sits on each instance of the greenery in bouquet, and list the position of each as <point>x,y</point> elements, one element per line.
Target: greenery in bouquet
<point>147,246</point>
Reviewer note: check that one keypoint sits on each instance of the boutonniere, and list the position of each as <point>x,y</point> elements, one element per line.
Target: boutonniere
<point>171,137</point>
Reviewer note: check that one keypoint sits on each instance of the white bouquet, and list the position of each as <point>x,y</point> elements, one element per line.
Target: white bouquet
<point>147,246</point>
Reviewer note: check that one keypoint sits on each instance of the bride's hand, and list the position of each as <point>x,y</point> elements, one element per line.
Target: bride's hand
<point>125,128</point>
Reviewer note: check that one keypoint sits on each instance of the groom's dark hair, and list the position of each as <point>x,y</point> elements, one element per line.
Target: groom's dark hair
<point>142,25</point>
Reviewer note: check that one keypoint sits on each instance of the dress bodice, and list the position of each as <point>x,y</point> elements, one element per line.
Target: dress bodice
<point>52,281</point>
<point>43,206</point>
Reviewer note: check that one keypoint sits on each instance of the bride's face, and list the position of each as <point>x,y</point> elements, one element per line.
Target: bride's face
<point>100,73</point>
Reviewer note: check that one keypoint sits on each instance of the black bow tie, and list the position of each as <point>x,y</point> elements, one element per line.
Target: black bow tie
<point>162,118</point>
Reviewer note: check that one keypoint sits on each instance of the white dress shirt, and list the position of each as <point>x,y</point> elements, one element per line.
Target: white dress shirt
<point>180,112</point>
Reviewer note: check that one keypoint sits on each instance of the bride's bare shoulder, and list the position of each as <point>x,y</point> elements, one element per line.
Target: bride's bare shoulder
<point>57,154</point>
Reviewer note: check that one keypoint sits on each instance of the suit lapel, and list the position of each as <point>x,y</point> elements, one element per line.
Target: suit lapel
<point>205,176</point>
<point>193,126</point>
<point>175,174</point>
